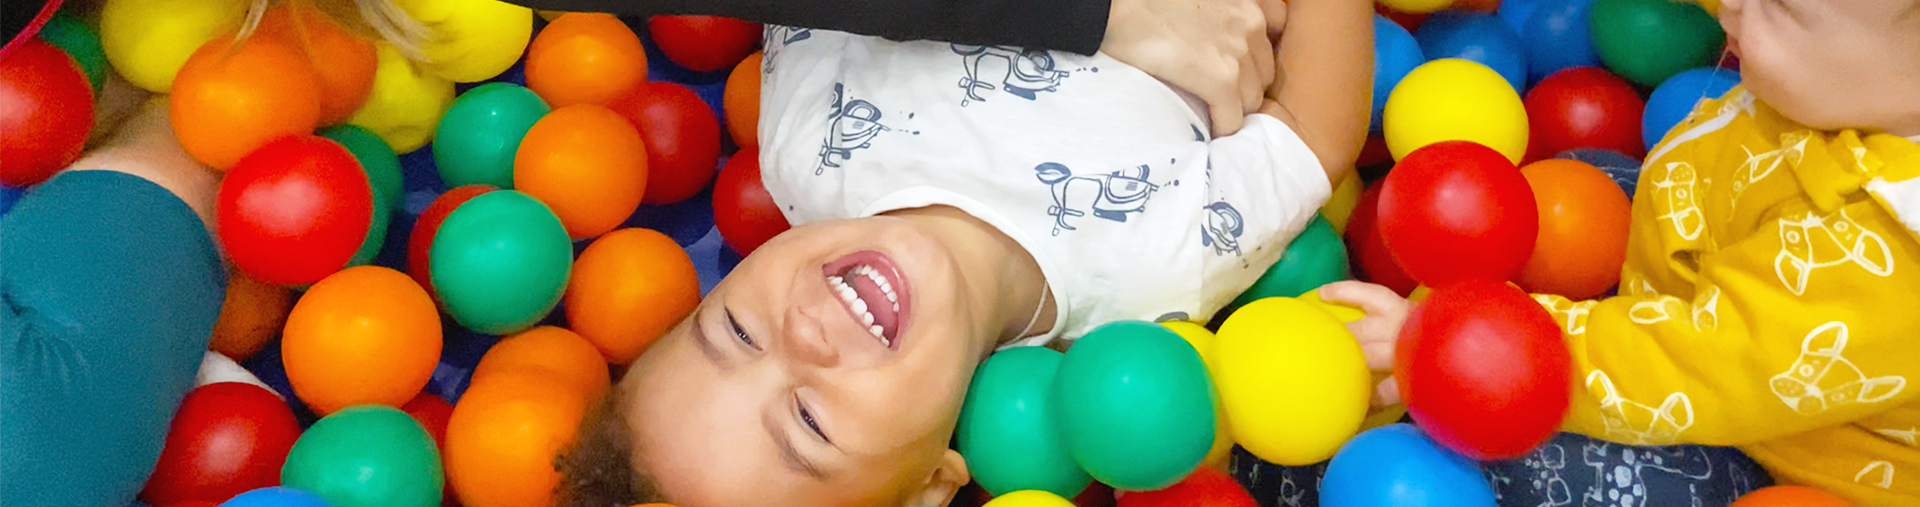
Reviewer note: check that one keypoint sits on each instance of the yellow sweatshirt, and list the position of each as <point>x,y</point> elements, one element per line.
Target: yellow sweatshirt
<point>1770,301</point>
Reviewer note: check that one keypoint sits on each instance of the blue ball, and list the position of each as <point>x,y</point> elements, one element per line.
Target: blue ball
<point>1477,36</point>
<point>1395,54</point>
<point>1676,97</point>
<point>276,497</point>
<point>1556,38</point>
<point>9,195</point>
<point>1517,12</point>
<point>1398,466</point>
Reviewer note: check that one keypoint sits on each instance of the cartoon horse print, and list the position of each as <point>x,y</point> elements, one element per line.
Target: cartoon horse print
<point>1621,472</point>
<point>1812,242</point>
<point>1223,228</point>
<point>1635,423</point>
<point>1109,196</point>
<point>1821,378</point>
<point>1024,73</point>
<point>853,125</point>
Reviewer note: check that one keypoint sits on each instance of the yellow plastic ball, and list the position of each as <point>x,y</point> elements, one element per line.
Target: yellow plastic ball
<point>1339,208</point>
<point>1202,340</point>
<point>549,15</point>
<point>1342,311</point>
<point>1416,6</point>
<point>406,103</point>
<point>1712,6</point>
<point>1455,100</point>
<point>1294,381</point>
<point>148,40</point>
<point>1029,498</point>
<point>473,40</point>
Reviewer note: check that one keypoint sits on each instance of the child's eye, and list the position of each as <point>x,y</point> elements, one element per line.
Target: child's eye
<point>807,417</point>
<point>739,333</point>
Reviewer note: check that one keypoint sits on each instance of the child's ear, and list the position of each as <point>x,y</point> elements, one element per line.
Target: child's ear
<point>944,481</point>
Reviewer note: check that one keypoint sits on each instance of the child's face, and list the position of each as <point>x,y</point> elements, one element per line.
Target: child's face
<point>774,391</point>
<point>1830,64</point>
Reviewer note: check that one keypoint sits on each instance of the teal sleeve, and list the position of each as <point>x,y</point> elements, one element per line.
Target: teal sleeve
<point>109,288</point>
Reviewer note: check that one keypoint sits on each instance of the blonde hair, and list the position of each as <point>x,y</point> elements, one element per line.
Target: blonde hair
<point>380,19</point>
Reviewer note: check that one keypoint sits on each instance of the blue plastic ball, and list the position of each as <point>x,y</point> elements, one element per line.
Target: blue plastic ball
<point>1398,466</point>
<point>1476,36</point>
<point>1556,38</point>
<point>276,497</point>
<point>1517,12</point>
<point>1395,53</point>
<point>1676,97</point>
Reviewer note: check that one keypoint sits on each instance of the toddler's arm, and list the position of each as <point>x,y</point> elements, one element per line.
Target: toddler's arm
<point>1325,83</point>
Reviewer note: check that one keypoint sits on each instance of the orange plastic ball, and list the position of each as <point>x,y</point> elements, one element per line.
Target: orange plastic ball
<point>628,289</point>
<point>504,435</point>
<point>228,101</point>
<point>585,58</point>
<point>587,164</point>
<point>344,61</point>
<point>253,313</point>
<point>362,336</point>
<point>556,350</point>
<point>1790,496</point>
<point>742,102</point>
<point>1583,230</point>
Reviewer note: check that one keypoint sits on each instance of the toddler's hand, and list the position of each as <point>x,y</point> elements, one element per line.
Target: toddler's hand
<point>1378,332</point>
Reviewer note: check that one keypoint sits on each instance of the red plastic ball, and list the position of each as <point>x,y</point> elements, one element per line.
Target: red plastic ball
<point>433,413</point>
<point>46,111</point>
<point>295,210</point>
<point>704,43</point>
<point>742,209</point>
<point>1483,369</point>
<point>1205,488</point>
<point>682,137</point>
<point>194,504</point>
<point>1584,107</point>
<point>1456,211</point>
<point>1367,249</point>
<point>227,438</point>
<point>421,240</point>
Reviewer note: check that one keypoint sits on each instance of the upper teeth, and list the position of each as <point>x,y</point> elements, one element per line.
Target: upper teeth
<point>847,295</point>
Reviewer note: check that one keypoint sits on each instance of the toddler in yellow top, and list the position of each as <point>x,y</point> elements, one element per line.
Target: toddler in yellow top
<point>1771,296</point>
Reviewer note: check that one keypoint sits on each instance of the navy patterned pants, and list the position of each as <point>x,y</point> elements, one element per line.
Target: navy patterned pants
<point>1568,471</point>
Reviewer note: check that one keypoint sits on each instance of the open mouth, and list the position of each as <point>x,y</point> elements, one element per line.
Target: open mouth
<point>870,286</point>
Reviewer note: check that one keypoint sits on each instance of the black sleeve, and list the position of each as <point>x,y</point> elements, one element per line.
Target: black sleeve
<point>1066,25</point>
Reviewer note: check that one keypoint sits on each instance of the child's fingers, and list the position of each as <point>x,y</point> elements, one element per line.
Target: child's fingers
<point>1227,117</point>
<point>1379,353</point>
<point>1374,299</point>
<point>1386,393</point>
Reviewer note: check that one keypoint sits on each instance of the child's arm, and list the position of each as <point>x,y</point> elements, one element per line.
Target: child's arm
<point>1324,86</point>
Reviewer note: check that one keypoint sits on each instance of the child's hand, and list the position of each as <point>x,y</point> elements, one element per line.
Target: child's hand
<point>1378,332</point>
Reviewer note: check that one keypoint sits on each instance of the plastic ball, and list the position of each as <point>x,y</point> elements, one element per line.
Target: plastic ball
<point>553,350</point>
<point>682,140</point>
<point>500,262</point>
<point>1583,107</point>
<point>406,102</point>
<point>482,131</point>
<point>1367,248</point>
<point>1135,405</point>
<point>1583,230</point>
<point>1029,498</point>
<point>1517,12</point>
<point>1202,341</point>
<point>1458,211</point>
<point>1295,383</point>
<point>1475,36</point>
<point>704,43</point>
<point>227,438</point>
<point>1678,96</point>
<point>1790,496</point>
<point>253,313</point>
<point>149,40</point>
<point>382,168</point>
<point>1416,6</point>
<point>294,211</point>
<point>368,456</point>
<point>420,242</point>
<point>586,58</point>
<point>1008,430</point>
<point>228,102</point>
<point>344,61</point>
<point>473,40</point>
<point>1455,100</point>
<point>1483,369</point>
<point>1398,466</point>
<point>742,102</point>
<point>1316,257</point>
<point>504,435</point>
<point>628,289</point>
<point>1624,170</point>
<point>1395,53</point>
<point>80,42</point>
<point>1339,208</point>
<point>587,164</point>
<point>1556,38</point>
<point>744,212</point>
<point>276,497</point>
<point>46,111</point>
<point>1205,488</point>
<point>1648,41</point>
<point>432,412</point>
<point>364,336</point>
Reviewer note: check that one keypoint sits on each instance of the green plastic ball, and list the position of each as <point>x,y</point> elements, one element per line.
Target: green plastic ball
<point>1135,405</point>
<point>481,132</point>
<point>383,174</point>
<point>500,262</point>
<point>1317,257</point>
<point>1648,41</point>
<point>1008,431</point>
<point>366,456</point>
<point>71,35</point>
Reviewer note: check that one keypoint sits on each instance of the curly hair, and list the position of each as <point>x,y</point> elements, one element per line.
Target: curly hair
<point>598,470</point>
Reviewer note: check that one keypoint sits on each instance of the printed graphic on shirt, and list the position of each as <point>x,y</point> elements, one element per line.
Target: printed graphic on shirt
<point>1573,314</point>
<point>1877,474</point>
<point>1812,242</point>
<point>1821,378</point>
<point>1758,166</point>
<point>1706,309</point>
<point>1621,473</point>
<point>852,125</point>
<point>1679,200</point>
<point>1020,72</point>
<point>778,38</point>
<point>1111,196</point>
<point>1655,311</point>
<point>1223,228</point>
<point>1909,436</point>
<point>1636,423</point>
<point>1546,467</point>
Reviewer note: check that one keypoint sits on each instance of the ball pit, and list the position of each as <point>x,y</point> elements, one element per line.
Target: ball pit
<point>1367,248</point>
<point>1029,499</point>
<point>382,168</point>
<point>682,139</point>
<point>276,497</point>
<point>1477,37</point>
<point>1009,431</point>
<point>253,313</point>
<point>1395,53</point>
<point>366,335</point>
<point>1293,380</point>
<point>1648,41</point>
<point>742,101</point>
<point>1314,258</point>
<point>79,41</point>
<point>1483,369</point>
<point>427,226</point>
<point>743,211</point>
<point>1556,37</point>
<point>1678,95</point>
<point>1455,100</point>
<point>472,39</point>
<point>229,101</point>
<point>481,132</point>
<point>1202,341</point>
<point>227,438</point>
<point>585,58</point>
<point>554,351</point>
<point>295,210</point>
<point>628,288</point>
<point>1583,107</point>
<point>704,43</point>
<point>148,41</point>
<point>1398,466</point>
<point>1205,488</point>
<point>1457,211</point>
<point>1148,377</point>
<point>504,434</point>
<point>1583,230</point>
<point>46,110</point>
<point>367,456</point>
<point>406,102</point>
<point>500,262</point>
<point>587,164</point>
<point>343,61</point>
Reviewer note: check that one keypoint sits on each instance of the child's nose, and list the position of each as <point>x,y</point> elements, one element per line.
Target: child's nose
<point>807,341</point>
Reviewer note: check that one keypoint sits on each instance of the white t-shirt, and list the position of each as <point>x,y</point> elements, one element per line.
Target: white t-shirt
<point>1103,173</point>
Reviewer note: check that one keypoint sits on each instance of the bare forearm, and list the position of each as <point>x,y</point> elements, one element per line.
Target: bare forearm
<point>143,145</point>
<point>1325,79</point>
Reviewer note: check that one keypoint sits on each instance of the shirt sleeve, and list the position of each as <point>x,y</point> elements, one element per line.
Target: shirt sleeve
<point>1266,172</point>
<point>1067,25</point>
<point>109,288</point>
